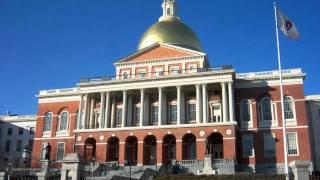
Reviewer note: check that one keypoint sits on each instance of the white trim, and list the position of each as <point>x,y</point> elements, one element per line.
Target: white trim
<point>243,123</point>
<point>50,138</point>
<point>273,122</point>
<point>229,138</point>
<point>159,127</point>
<point>273,128</point>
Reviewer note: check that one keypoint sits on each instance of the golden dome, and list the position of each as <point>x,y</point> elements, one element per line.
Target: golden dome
<point>170,30</point>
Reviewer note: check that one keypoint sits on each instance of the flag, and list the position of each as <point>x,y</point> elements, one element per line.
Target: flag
<point>287,26</point>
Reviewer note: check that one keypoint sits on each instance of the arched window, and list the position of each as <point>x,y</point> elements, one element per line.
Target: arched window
<point>168,12</point>
<point>266,112</point>
<point>288,107</point>
<point>63,121</point>
<point>125,75</point>
<point>47,121</point>
<point>245,110</point>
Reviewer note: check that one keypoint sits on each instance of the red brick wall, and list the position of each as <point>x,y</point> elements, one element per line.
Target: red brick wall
<point>254,95</point>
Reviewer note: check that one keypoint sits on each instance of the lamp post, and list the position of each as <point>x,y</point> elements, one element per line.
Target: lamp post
<point>26,156</point>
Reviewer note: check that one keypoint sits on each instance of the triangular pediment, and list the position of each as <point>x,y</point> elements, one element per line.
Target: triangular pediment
<point>160,51</point>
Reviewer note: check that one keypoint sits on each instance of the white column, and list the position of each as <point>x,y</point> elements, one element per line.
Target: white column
<point>85,110</point>
<point>160,106</point>
<point>79,120</point>
<point>113,112</point>
<point>224,102</point>
<point>204,103</point>
<point>231,102</point>
<point>178,105</point>
<point>124,108</point>
<point>141,107</point>
<point>107,111</point>
<point>102,108</point>
<point>91,122</point>
<point>198,105</point>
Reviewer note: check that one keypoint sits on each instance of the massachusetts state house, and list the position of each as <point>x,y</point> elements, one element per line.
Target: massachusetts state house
<point>165,100</point>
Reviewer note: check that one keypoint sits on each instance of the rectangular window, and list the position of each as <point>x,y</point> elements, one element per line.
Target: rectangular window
<point>247,145</point>
<point>159,72</point>
<point>20,131</point>
<point>142,74</point>
<point>191,112</point>
<point>172,113</point>
<point>269,145</point>
<point>0,131</point>
<point>292,143</point>
<point>60,151</point>
<point>137,116</point>
<point>154,114</point>
<point>119,116</point>
<point>19,145</point>
<point>30,144</point>
<point>31,130</point>
<point>8,145</point>
<point>9,131</point>
<point>175,70</point>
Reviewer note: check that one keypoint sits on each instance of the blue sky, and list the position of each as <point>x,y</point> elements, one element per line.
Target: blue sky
<point>47,44</point>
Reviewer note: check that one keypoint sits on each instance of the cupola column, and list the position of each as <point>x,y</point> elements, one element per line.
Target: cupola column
<point>198,103</point>
<point>79,120</point>
<point>141,107</point>
<point>160,106</point>
<point>178,105</point>
<point>204,103</point>
<point>102,105</point>
<point>107,111</point>
<point>224,102</point>
<point>124,108</point>
<point>231,102</point>
<point>92,106</point>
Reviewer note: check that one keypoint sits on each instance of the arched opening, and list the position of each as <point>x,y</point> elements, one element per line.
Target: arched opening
<point>131,153</point>
<point>113,149</point>
<point>90,149</point>
<point>216,145</point>
<point>189,147</point>
<point>150,150</point>
<point>168,148</point>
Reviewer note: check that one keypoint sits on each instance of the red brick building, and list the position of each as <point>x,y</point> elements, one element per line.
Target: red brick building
<point>166,100</point>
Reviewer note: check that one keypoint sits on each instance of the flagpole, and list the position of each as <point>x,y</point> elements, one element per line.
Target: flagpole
<point>284,130</point>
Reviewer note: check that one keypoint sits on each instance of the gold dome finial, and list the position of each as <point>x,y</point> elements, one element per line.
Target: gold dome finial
<point>170,30</point>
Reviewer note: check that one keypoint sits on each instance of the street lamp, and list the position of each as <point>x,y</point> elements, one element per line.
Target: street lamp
<point>26,155</point>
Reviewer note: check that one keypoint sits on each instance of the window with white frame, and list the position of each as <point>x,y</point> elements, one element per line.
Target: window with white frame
<point>269,145</point>
<point>159,72</point>
<point>292,143</point>
<point>267,111</point>
<point>137,114</point>
<point>215,112</point>
<point>118,116</point>
<point>192,68</point>
<point>175,70</point>
<point>154,114</point>
<point>248,145</point>
<point>63,121</point>
<point>142,74</point>
<point>125,75</point>
<point>191,111</point>
<point>288,108</point>
<point>172,109</point>
<point>47,121</point>
<point>60,151</point>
